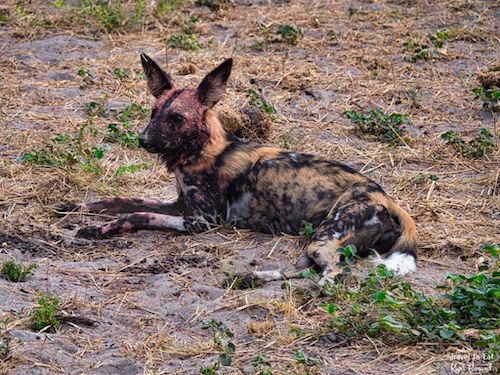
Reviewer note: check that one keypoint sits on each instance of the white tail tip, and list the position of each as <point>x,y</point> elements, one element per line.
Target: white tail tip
<point>398,262</point>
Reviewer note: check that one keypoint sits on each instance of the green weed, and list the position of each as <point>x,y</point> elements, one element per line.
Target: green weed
<point>94,108</point>
<point>416,51</point>
<point>285,141</point>
<point>307,229</point>
<point>187,40</point>
<point>83,72</point>
<point>304,359</point>
<point>489,96</point>
<point>476,148</point>
<point>222,339</point>
<point>261,365</point>
<point>166,6</point>
<point>130,168</point>
<point>289,34</point>
<point>67,151</point>
<point>16,271</point>
<point>256,100</point>
<point>439,38</point>
<point>382,305</point>
<point>212,4</point>
<point>120,73</point>
<point>379,125</point>
<point>121,132</point>
<point>44,315</point>
<point>59,4</point>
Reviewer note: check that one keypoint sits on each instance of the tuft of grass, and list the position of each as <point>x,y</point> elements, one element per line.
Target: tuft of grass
<point>130,168</point>
<point>476,148</point>
<point>388,128</point>
<point>44,315</point>
<point>289,34</point>
<point>222,340</point>
<point>16,271</point>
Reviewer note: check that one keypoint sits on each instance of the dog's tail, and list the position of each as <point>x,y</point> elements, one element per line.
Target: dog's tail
<point>403,254</point>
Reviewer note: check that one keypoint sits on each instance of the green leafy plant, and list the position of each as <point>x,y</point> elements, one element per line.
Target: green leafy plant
<point>222,340</point>
<point>83,72</point>
<point>256,100</point>
<point>416,50</point>
<point>261,365</point>
<point>290,34</point>
<point>44,315</point>
<point>121,132</point>
<point>477,147</point>
<point>376,124</point>
<point>212,4</point>
<point>307,229</point>
<point>16,271</point>
<point>304,359</point>
<point>166,6</point>
<point>111,15</point>
<point>65,151</point>
<point>439,38</point>
<point>187,40</point>
<point>120,73</point>
<point>59,3</point>
<point>489,96</point>
<point>382,305</point>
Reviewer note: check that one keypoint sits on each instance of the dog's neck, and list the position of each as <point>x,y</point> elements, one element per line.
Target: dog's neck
<point>219,139</point>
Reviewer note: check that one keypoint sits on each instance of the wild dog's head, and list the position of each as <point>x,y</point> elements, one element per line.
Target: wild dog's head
<point>178,128</point>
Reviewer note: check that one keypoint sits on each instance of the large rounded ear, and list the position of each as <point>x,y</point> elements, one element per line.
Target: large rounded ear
<point>213,85</point>
<point>158,80</point>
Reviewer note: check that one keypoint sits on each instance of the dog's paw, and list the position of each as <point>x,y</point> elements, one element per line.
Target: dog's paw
<point>90,233</point>
<point>65,208</point>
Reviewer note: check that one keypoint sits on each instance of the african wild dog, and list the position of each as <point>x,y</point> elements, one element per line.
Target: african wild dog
<point>222,179</point>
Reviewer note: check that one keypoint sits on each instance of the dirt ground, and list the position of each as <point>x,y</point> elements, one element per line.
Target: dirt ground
<point>149,292</point>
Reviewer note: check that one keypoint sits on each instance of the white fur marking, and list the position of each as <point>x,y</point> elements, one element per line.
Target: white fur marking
<point>373,221</point>
<point>171,222</point>
<point>398,262</point>
<point>268,275</point>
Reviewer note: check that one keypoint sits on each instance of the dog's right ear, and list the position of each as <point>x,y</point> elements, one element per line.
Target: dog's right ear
<point>158,80</point>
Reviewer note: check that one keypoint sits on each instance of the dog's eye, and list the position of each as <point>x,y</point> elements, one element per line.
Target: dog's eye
<point>176,119</point>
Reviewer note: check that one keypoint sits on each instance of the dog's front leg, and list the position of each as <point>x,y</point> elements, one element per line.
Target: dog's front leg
<point>121,205</point>
<point>134,222</point>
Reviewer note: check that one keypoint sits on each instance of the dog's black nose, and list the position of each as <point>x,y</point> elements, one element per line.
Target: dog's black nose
<point>144,141</point>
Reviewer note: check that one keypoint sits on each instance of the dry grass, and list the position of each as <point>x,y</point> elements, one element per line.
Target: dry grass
<point>153,289</point>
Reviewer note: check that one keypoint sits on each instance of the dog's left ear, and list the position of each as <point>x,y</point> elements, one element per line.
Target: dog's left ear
<point>213,86</point>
